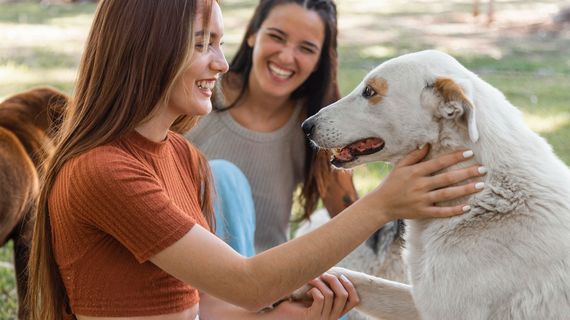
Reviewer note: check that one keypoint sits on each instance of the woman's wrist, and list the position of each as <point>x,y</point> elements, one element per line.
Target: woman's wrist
<point>372,210</point>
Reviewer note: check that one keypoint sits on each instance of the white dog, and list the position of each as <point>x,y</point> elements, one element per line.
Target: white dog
<point>509,256</point>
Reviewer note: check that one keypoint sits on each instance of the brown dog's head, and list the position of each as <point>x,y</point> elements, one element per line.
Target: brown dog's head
<point>43,107</point>
<point>34,116</point>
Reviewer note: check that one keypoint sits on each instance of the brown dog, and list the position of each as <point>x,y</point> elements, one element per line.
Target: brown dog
<point>27,123</point>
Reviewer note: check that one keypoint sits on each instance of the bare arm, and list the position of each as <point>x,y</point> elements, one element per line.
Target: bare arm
<point>326,298</point>
<point>209,264</point>
<point>206,262</point>
<point>212,308</point>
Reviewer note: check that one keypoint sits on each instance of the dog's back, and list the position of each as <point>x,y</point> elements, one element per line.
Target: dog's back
<point>509,257</point>
<point>25,142</point>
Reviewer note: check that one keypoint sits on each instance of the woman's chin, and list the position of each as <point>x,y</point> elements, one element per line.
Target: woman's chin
<point>201,108</point>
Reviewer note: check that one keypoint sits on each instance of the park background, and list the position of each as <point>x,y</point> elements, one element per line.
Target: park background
<point>524,52</point>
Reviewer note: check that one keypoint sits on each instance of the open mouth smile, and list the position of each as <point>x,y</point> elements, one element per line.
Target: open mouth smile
<point>280,73</point>
<point>352,151</point>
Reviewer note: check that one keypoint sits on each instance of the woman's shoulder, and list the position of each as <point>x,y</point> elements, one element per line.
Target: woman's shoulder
<point>98,161</point>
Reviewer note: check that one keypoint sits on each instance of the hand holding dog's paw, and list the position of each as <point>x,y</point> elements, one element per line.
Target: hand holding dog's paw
<point>412,189</point>
<point>327,297</point>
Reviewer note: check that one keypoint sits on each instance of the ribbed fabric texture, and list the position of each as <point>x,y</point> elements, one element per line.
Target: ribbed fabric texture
<point>272,162</point>
<point>114,207</point>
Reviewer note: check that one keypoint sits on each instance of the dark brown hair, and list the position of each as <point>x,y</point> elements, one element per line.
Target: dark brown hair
<point>134,53</point>
<point>319,90</point>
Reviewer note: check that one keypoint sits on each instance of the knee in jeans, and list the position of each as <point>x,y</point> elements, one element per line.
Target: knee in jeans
<point>226,171</point>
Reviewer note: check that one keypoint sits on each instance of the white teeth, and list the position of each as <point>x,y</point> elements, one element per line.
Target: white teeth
<point>206,84</point>
<point>279,72</point>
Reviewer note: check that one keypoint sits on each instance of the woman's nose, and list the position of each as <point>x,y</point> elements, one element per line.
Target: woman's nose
<point>287,54</point>
<point>220,64</point>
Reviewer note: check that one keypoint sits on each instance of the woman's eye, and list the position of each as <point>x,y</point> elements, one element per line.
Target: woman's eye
<point>276,37</point>
<point>200,46</point>
<point>368,92</point>
<point>307,50</point>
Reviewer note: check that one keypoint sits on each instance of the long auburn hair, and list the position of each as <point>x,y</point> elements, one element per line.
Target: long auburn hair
<point>134,53</point>
<point>319,90</point>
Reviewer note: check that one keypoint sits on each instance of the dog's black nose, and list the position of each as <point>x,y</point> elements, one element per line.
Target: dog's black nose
<point>308,127</point>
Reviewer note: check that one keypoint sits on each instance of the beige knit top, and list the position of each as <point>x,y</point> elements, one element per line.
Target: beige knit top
<point>272,162</point>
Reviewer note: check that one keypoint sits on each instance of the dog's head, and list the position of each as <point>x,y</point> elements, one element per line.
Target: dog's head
<point>43,107</point>
<point>419,98</point>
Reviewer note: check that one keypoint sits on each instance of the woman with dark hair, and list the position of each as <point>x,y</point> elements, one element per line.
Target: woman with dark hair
<point>284,71</point>
<point>124,218</point>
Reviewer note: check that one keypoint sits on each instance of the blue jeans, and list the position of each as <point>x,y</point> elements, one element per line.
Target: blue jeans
<point>233,207</point>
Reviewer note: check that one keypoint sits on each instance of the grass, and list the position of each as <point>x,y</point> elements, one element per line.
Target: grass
<point>522,54</point>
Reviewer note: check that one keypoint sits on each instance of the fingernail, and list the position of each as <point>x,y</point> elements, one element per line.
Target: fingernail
<point>344,278</point>
<point>468,154</point>
<point>422,146</point>
<point>466,208</point>
<point>480,185</point>
<point>482,170</point>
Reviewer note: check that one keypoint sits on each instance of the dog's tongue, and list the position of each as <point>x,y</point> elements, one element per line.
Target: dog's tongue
<point>344,155</point>
<point>360,147</point>
<point>366,144</point>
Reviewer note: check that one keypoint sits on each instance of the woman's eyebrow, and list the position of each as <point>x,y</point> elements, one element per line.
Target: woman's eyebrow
<point>213,35</point>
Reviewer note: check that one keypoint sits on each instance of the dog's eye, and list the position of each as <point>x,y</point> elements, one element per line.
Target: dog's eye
<point>368,92</point>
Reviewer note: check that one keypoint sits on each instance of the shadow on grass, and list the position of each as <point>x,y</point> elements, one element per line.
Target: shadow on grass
<point>32,13</point>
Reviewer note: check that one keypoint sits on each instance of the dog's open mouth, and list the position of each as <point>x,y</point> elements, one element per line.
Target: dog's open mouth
<point>359,148</point>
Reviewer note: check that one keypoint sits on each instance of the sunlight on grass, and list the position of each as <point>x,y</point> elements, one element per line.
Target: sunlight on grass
<point>39,35</point>
<point>11,75</point>
<point>546,123</point>
<point>378,52</point>
<point>80,20</point>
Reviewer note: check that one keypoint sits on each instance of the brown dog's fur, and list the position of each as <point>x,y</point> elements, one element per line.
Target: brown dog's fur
<point>27,123</point>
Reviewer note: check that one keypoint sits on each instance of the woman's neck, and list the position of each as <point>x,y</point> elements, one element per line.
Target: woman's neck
<point>263,113</point>
<point>156,128</point>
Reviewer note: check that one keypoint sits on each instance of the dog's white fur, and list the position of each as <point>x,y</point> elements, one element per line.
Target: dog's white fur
<point>509,256</point>
<point>379,256</point>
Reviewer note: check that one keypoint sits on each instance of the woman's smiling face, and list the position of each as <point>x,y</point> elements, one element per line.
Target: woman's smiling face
<point>193,89</point>
<point>286,49</point>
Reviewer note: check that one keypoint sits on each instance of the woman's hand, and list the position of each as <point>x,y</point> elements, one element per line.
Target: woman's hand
<point>330,298</point>
<point>411,190</point>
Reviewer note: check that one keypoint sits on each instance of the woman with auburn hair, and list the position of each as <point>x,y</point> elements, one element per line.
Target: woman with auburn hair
<point>124,222</point>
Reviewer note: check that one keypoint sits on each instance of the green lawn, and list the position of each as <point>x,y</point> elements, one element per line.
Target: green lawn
<point>521,54</point>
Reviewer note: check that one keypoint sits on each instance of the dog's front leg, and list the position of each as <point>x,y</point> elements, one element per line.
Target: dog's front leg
<point>381,298</point>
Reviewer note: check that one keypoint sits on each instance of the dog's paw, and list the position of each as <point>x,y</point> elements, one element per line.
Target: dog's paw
<point>354,277</point>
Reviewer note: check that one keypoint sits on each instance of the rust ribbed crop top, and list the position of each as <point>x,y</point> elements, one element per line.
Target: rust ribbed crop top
<point>114,207</point>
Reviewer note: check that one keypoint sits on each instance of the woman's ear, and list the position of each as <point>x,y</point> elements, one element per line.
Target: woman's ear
<point>251,39</point>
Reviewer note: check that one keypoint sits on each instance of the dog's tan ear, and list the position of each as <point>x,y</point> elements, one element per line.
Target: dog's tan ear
<point>457,103</point>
